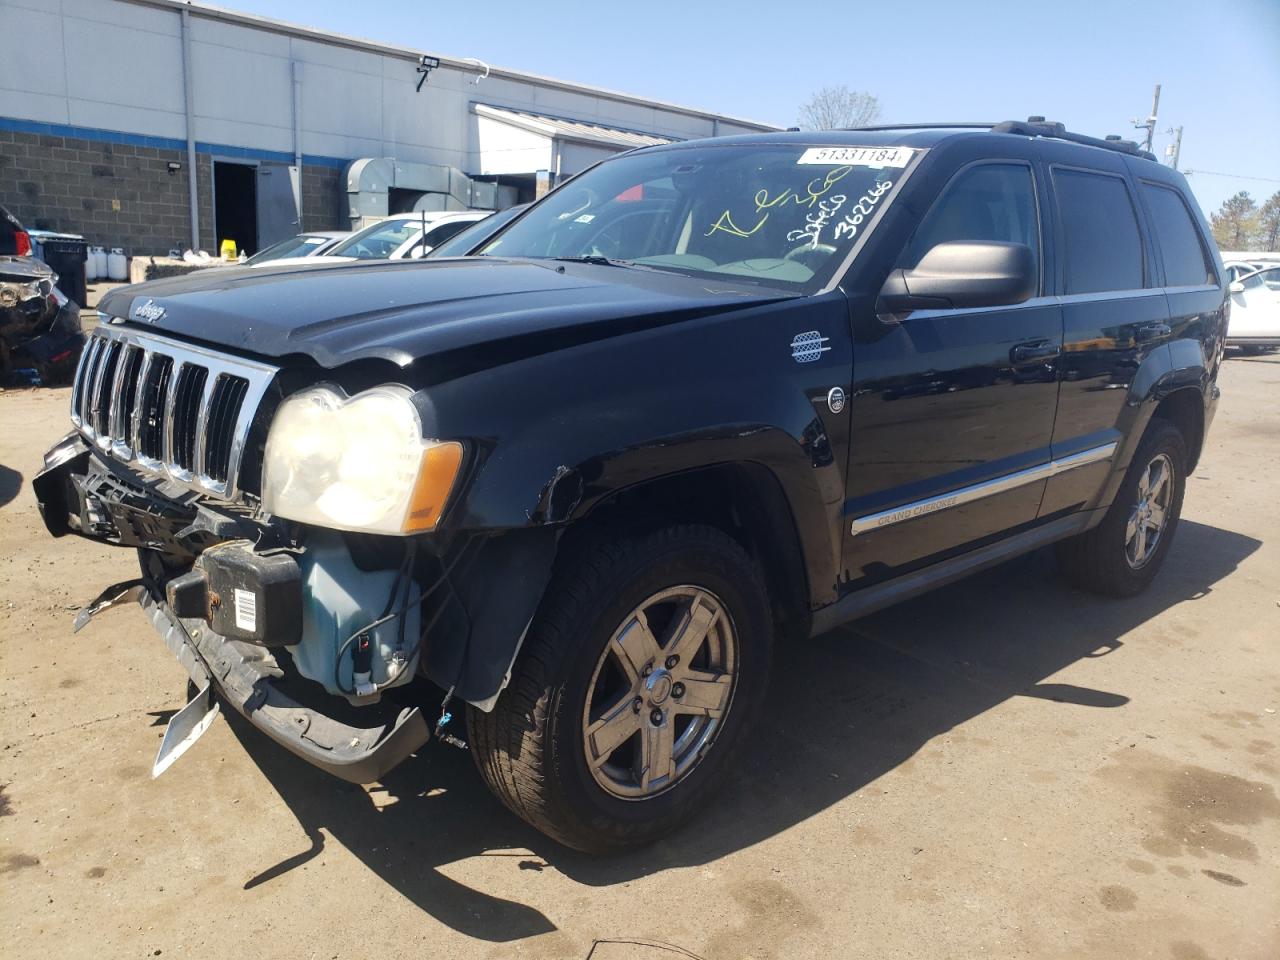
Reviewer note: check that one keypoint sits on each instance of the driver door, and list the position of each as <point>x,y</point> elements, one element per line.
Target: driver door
<point>954,408</point>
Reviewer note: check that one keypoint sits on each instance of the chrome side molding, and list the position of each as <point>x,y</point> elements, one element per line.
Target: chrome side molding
<point>977,491</point>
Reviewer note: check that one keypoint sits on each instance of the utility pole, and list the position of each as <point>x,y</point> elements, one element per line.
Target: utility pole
<point>1150,124</point>
<point>1174,149</point>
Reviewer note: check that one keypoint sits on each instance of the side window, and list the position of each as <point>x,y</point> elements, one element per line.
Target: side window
<point>992,201</point>
<point>450,228</point>
<point>1103,245</point>
<point>1185,264</point>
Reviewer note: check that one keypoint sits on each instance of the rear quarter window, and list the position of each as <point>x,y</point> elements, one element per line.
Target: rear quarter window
<point>1185,262</point>
<point>1100,227</point>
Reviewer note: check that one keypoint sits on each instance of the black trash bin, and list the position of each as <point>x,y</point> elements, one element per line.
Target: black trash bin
<point>65,255</point>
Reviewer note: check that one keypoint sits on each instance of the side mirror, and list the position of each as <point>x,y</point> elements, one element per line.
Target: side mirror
<point>1236,287</point>
<point>962,273</point>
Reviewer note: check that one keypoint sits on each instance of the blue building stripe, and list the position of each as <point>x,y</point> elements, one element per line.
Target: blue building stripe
<point>165,143</point>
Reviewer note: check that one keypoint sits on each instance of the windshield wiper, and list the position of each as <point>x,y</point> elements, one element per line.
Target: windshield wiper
<point>599,261</point>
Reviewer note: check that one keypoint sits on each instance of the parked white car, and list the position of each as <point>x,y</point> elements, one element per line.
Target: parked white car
<point>404,236</point>
<point>1255,311</point>
<point>313,243</point>
<point>1239,269</point>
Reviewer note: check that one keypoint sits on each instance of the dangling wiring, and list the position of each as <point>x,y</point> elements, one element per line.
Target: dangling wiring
<point>445,715</point>
<point>402,585</point>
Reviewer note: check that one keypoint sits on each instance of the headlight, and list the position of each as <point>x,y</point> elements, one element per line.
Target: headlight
<point>356,464</point>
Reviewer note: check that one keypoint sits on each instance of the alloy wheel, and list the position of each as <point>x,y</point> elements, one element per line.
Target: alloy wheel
<point>660,692</point>
<point>1150,514</point>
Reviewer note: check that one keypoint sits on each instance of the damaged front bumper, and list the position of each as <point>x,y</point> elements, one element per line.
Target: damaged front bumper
<point>242,674</point>
<point>77,493</point>
<point>477,594</point>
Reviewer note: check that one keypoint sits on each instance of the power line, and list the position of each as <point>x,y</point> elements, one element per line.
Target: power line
<point>1234,176</point>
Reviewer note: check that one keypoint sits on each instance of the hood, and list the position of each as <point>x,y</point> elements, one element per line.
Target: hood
<point>24,269</point>
<point>402,311</point>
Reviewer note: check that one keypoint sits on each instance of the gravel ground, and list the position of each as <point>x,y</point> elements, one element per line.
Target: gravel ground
<point>1005,768</point>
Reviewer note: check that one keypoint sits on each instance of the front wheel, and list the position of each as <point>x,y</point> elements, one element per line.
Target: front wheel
<point>1122,554</point>
<point>638,681</point>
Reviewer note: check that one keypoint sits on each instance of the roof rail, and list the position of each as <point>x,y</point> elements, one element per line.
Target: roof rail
<point>1039,127</point>
<point>964,124</point>
<point>1031,127</point>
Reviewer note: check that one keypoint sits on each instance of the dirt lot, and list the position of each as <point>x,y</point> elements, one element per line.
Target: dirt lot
<point>1007,768</point>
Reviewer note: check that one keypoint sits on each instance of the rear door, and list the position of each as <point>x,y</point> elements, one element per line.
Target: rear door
<point>1190,276</point>
<point>952,407</point>
<point>1114,315</point>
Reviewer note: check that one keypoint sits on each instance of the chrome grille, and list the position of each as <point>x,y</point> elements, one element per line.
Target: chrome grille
<point>168,408</point>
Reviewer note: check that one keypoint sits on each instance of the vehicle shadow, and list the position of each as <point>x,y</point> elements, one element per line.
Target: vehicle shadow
<point>10,484</point>
<point>846,708</point>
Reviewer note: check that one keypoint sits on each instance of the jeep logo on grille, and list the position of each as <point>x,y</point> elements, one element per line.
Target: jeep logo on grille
<point>150,311</point>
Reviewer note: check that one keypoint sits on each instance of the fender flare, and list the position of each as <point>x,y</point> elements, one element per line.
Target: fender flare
<point>1171,368</point>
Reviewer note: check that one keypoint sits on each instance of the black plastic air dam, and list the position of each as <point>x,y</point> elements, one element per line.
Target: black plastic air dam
<point>242,673</point>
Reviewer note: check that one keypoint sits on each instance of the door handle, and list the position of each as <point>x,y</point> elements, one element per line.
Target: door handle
<point>1146,332</point>
<point>1034,350</point>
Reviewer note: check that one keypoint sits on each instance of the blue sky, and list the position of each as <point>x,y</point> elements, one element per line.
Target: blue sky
<point>1089,64</point>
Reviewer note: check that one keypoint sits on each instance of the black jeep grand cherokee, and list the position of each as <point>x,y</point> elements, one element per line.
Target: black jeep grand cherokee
<point>700,400</point>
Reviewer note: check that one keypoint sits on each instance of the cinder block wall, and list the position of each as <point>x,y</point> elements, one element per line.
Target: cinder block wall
<point>116,195</point>
<point>324,199</point>
<point>121,195</point>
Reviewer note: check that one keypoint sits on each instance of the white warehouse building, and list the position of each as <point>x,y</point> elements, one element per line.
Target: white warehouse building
<point>206,124</point>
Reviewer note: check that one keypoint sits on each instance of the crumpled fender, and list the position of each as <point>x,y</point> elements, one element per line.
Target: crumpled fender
<point>551,436</point>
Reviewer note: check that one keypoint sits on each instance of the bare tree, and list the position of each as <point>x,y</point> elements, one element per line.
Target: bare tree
<point>836,108</point>
<point>1235,222</point>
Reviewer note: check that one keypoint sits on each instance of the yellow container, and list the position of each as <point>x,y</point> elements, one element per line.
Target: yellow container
<point>228,250</point>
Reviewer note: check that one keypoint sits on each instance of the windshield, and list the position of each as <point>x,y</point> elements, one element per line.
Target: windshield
<point>378,241</point>
<point>477,233</point>
<point>785,215</point>
<point>1269,278</point>
<point>302,245</point>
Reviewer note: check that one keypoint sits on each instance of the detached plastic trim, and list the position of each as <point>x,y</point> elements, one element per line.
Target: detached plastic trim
<point>242,674</point>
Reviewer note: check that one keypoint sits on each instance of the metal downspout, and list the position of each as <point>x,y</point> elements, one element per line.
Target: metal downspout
<point>297,140</point>
<point>189,93</point>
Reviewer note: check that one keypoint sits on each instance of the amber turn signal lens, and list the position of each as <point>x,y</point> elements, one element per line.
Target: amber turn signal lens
<point>436,476</point>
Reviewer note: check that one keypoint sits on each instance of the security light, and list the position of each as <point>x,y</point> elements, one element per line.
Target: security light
<point>425,66</point>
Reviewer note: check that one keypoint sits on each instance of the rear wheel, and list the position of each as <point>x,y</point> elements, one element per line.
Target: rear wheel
<point>1122,554</point>
<point>639,678</point>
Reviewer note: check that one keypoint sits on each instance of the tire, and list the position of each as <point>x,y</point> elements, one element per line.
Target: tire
<point>572,675</point>
<point>1102,560</point>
